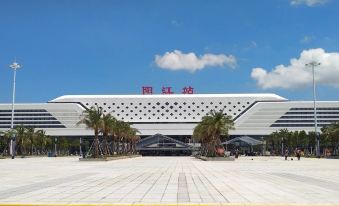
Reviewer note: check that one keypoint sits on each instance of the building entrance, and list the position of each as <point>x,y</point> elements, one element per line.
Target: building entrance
<point>161,145</point>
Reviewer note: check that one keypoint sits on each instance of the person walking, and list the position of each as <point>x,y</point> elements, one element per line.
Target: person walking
<point>286,154</point>
<point>298,153</point>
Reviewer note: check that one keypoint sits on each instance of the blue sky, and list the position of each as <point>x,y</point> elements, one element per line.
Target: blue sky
<point>109,47</point>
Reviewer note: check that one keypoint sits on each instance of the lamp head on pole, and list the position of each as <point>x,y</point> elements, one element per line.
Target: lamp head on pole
<point>15,65</point>
<point>312,64</point>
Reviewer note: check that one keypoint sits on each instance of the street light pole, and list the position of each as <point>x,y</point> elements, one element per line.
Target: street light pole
<point>80,147</point>
<point>14,66</point>
<point>55,146</point>
<point>312,65</point>
<point>282,146</point>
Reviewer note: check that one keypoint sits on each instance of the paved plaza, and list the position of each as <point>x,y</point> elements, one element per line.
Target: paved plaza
<point>169,180</point>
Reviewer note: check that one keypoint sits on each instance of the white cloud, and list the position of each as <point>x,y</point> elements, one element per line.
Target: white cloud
<point>253,44</point>
<point>177,60</point>
<point>296,74</point>
<point>307,39</point>
<point>307,2</point>
<point>175,23</point>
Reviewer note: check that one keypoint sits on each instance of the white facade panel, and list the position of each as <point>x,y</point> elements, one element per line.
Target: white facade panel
<point>266,117</point>
<point>168,108</point>
<point>254,114</point>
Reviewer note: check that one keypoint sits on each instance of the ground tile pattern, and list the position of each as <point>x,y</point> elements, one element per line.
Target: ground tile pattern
<point>156,180</point>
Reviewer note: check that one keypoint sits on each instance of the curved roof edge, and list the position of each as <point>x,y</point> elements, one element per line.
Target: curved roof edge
<point>77,98</point>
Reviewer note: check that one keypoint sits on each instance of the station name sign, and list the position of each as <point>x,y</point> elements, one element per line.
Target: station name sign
<point>167,90</point>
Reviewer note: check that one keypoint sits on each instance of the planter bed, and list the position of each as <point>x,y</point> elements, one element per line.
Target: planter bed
<point>216,158</point>
<point>109,158</point>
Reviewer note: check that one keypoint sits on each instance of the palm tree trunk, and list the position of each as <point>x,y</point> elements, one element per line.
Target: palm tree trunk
<point>117,143</point>
<point>127,147</point>
<point>119,146</point>
<point>113,147</point>
<point>105,144</point>
<point>96,144</point>
<point>124,147</point>
<point>31,147</point>
<point>134,150</point>
<point>130,147</point>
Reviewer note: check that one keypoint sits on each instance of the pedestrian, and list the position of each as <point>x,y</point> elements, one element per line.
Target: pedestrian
<point>298,154</point>
<point>236,153</point>
<point>286,154</point>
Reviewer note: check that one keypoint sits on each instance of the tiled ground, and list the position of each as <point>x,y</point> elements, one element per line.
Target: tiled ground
<point>169,180</point>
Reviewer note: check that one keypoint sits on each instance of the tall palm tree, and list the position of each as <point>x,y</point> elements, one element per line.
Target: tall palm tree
<point>124,134</point>
<point>41,140</point>
<point>134,140</point>
<point>92,118</point>
<point>108,124</point>
<point>31,136</point>
<point>4,143</point>
<point>118,132</point>
<point>330,135</point>
<point>272,141</point>
<point>211,128</point>
<point>131,138</point>
<point>128,134</point>
<point>114,132</point>
<point>21,138</point>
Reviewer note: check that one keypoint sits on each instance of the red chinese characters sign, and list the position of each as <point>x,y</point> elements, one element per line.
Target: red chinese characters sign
<point>147,90</point>
<point>167,90</point>
<point>187,90</point>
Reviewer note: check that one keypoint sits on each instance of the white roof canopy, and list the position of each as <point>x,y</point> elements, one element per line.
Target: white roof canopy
<point>257,96</point>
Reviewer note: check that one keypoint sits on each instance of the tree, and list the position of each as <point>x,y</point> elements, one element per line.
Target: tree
<point>124,137</point>
<point>273,141</point>
<point>330,136</point>
<point>108,123</point>
<point>31,137</point>
<point>119,130</point>
<point>131,138</point>
<point>42,141</point>
<point>64,145</point>
<point>210,129</point>
<point>294,142</point>
<point>286,137</point>
<point>296,139</point>
<point>92,118</point>
<point>134,140</point>
<point>312,140</point>
<point>303,139</point>
<point>21,138</point>
<point>5,140</point>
